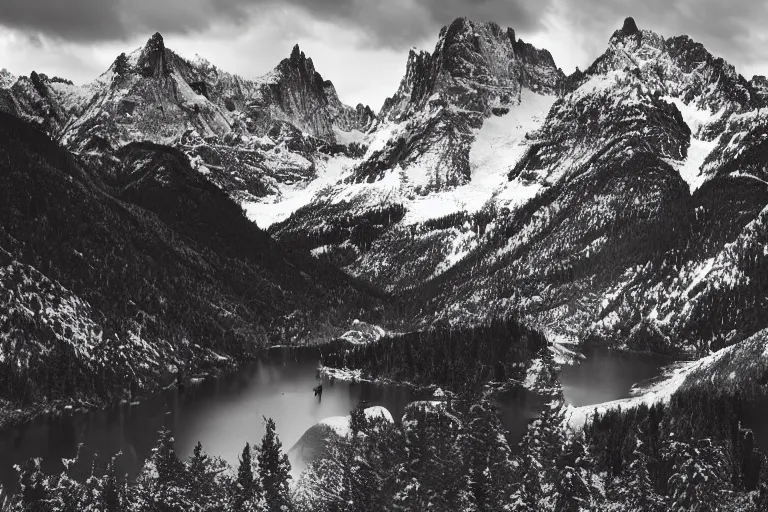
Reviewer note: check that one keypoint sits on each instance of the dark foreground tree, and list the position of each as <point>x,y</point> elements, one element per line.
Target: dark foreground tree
<point>246,492</point>
<point>274,470</point>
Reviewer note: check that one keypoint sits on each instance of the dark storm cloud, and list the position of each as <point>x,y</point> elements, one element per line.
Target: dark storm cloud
<point>111,20</point>
<point>71,19</point>
<point>727,28</point>
<point>402,23</point>
<point>730,29</point>
<point>389,23</point>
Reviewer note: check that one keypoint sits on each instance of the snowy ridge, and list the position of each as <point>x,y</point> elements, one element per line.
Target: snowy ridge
<point>613,202</point>
<point>728,369</point>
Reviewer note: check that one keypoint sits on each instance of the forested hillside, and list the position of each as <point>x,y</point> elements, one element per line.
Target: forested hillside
<point>122,272</point>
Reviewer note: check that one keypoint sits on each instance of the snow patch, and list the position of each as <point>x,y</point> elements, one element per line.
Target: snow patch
<point>273,209</point>
<point>350,137</point>
<point>340,424</point>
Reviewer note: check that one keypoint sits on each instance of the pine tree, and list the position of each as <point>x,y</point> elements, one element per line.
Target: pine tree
<point>121,65</point>
<point>357,420</point>
<point>528,492</point>
<point>434,475</point>
<point>488,456</point>
<point>207,485</point>
<point>359,473</point>
<point>542,444</point>
<point>162,484</point>
<point>698,476</point>
<point>246,493</point>
<point>274,470</point>
<point>111,498</point>
<point>35,488</point>
<point>634,490</point>
<point>170,470</point>
<point>573,488</point>
<point>67,495</point>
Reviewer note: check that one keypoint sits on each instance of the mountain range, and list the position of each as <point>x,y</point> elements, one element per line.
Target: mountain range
<point>188,215</point>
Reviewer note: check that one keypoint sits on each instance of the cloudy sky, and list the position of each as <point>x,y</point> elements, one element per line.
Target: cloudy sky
<point>361,45</point>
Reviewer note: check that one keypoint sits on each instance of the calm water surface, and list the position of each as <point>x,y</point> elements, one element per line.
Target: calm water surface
<point>607,375</point>
<point>222,413</point>
<point>227,412</point>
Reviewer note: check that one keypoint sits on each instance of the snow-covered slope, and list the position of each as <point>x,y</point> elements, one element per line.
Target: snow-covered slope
<point>623,202</point>
<point>475,70</point>
<point>119,270</point>
<point>735,369</point>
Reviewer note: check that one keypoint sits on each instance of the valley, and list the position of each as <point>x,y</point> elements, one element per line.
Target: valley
<point>519,289</point>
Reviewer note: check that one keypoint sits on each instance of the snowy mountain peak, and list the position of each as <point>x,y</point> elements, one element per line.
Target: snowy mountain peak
<point>297,93</point>
<point>473,65</point>
<point>476,70</point>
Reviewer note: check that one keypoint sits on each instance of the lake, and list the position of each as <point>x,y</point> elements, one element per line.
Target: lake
<point>607,375</point>
<point>222,413</point>
<point>226,412</point>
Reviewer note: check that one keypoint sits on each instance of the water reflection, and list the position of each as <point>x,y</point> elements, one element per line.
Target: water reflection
<point>222,413</point>
<point>607,375</point>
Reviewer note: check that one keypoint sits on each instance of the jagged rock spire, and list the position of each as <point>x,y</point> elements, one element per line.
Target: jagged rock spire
<point>630,27</point>
<point>155,43</point>
<point>153,61</point>
<point>296,53</point>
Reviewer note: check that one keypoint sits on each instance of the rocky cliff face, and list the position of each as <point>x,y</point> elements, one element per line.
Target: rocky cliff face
<point>474,66</point>
<point>475,69</point>
<point>250,137</point>
<point>296,93</point>
<point>151,94</point>
<point>625,202</point>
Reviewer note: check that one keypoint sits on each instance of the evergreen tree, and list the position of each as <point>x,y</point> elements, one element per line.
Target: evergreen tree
<point>359,471</point>
<point>162,484</point>
<point>357,420</point>
<point>207,483</point>
<point>528,491</point>
<point>112,498</point>
<point>274,470</point>
<point>573,489</point>
<point>433,476</point>
<point>488,457</point>
<point>697,482</point>
<point>634,490</point>
<point>121,65</point>
<point>542,444</point>
<point>246,493</point>
<point>35,488</point>
<point>170,470</point>
<point>67,495</point>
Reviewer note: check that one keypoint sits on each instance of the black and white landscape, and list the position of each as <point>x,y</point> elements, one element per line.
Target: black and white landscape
<point>509,288</point>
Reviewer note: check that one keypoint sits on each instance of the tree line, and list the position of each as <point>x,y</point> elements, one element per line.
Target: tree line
<point>455,358</point>
<point>166,483</point>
